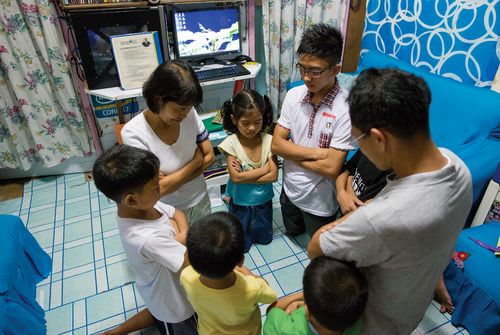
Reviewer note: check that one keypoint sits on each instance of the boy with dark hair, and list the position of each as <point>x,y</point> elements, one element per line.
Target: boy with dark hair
<point>334,297</point>
<point>313,133</point>
<point>224,294</point>
<point>152,234</point>
<point>403,239</point>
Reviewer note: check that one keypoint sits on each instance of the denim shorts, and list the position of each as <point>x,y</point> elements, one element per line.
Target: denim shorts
<point>257,222</point>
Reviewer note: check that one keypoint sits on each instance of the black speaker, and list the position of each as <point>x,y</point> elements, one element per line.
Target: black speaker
<point>93,28</point>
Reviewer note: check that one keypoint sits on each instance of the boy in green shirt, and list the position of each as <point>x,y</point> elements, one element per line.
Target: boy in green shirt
<point>334,297</point>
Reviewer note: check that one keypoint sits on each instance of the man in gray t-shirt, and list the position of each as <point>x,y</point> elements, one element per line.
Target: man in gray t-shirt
<point>404,238</point>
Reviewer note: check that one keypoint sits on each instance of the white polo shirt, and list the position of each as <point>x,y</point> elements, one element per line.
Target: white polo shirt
<point>310,191</point>
<point>156,259</point>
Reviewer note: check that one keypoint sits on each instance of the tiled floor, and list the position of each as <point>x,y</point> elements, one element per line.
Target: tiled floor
<point>91,286</point>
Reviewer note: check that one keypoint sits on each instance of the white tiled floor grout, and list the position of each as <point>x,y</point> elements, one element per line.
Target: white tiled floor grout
<point>85,265</point>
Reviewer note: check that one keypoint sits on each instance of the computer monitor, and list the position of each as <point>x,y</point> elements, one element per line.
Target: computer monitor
<point>209,32</point>
<point>93,28</point>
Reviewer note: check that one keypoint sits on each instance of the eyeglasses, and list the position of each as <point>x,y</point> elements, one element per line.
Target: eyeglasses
<point>316,73</point>
<point>356,139</point>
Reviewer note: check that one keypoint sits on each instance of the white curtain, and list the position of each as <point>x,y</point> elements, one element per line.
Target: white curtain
<point>284,22</point>
<point>40,116</point>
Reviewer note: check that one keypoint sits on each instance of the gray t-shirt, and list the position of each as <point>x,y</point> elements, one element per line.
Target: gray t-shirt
<point>402,241</point>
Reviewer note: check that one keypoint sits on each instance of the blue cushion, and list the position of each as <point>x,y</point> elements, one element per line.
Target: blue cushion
<point>475,291</point>
<point>459,113</point>
<point>481,157</point>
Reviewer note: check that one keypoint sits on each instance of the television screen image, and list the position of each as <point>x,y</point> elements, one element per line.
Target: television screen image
<point>207,32</point>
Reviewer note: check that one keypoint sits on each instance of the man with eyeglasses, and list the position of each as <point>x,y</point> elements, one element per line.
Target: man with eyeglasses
<point>404,238</point>
<point>313,134</point>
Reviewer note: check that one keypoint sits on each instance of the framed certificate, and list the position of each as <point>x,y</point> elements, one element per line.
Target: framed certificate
<point>136,56</point>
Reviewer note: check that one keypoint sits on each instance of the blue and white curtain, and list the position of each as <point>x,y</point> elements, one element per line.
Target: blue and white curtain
<point>452,38</point>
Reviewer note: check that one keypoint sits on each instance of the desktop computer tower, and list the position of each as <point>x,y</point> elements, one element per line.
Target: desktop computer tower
<point>92,29</point>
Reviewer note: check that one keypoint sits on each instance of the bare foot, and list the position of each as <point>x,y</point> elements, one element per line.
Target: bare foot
<point>442,296</point>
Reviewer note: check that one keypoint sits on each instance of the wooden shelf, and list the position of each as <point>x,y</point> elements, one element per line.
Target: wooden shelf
<point>71,7</point>
<point>103,5</point>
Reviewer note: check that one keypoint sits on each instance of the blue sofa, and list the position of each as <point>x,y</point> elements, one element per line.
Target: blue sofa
<point>463,118</point>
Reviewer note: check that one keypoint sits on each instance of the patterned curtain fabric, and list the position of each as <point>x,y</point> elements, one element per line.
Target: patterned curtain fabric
<point>454,38</point>
<point>40,117</point>
<point>284,22</point>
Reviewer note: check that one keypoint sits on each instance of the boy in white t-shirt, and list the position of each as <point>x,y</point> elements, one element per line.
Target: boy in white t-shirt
<point>153,235</point>
<point>313,133</point>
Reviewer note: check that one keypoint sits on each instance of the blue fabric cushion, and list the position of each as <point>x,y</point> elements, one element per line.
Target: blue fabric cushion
<point>475,291</point>
<point>481,157</point>
<point>459,113</point>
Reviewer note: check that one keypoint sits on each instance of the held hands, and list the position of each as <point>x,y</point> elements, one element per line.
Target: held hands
<point>294,306</point>
<point>348,202</point>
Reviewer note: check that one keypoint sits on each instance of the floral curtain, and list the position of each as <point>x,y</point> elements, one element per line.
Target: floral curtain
<point>284,22</point>
<point>40,116</point>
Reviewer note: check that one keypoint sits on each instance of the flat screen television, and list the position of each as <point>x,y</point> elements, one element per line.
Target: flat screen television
<point>207,32</point>
<point>92,29</point>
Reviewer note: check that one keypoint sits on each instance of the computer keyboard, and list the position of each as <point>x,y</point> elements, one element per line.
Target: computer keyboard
<point>227,71</point>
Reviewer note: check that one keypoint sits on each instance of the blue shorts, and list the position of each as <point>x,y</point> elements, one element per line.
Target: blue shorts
<point>257,222</point>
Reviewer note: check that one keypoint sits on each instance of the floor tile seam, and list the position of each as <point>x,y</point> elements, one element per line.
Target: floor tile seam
<point>79,198</point>
<point>253,261</point>
<point>300,247</point>
<point>102,241</point>
<point>436,327</point>
<point>445,315</point>
<point>21,203</point>
<point>72,317</point>
<point>92,236</point>
<point>86,316</point>
<point>43,206</point>
<point>284,266</point>
<point>280,259</point>
<point>85,299</point>
<point>272,273</point>
<point>96,236</point>
<point>52,256</point>
<point>29,208</point>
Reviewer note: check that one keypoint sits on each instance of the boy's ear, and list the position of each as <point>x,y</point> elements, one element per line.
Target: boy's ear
<point>233,119</point>
<point>130,200</point>
<point>336,69</point>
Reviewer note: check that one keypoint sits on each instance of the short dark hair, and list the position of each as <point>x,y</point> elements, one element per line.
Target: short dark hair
<point>391,99</point>
<point>174,81</point>
<point>335,292</point>
<point>241,103</point>
<point>215,244</point>
<point>123,169</point>
<point>323,41</point>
